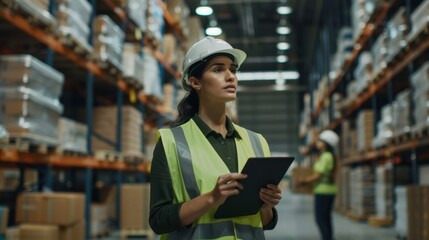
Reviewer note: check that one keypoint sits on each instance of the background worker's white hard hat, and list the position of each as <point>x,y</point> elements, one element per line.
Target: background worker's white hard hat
<point>205,48</point>
<point>329,137</point>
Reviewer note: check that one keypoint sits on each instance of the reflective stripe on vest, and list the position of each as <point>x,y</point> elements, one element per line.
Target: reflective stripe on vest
<point>218,230</point>
<point>185,160</point>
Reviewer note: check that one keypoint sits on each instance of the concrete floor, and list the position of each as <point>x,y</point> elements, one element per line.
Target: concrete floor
<point>296,222</point>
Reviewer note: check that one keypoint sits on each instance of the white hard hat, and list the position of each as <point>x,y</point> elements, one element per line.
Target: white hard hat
<point>205,48</point>
<point>329,137</point>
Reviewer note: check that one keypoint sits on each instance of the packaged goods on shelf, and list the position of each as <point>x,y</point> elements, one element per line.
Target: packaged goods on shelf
<point>29,72</point>
<point>132,63</point>
<point>384,191</point>
<point>62,209</point>
<point>81,7</point>
<point>420,85</point>
<point>402,113</point>
<point>420,17</point>
<point>105,121</point>
<point>379,52</point>
<point>72,135</point>
<point>170,48</point>
<point>365,133</point>
<point>36,231</point>
<point>155,20</point>
<point>24,111</point>
<point>135,206</point>
<point>3,132</point>
<point>401,213</point>
<point>345,188</point>
<point>179,11</point>
<point>195,29</point>
<point>417,202</point>
<point>397,29</point>
<point>151,76</point>
<point>36,9</point>
<point>364,71</point>
<point>73,232</point>
<point>361,13</point>
<point>9,178</point>
<point>384,127</point>
<point>362,191</point>
<point>345,46</point>
<point>137,10</point>
<point>72,28</point>
<point>4,217</point>
<point>108,41</point>
<point>13,233</point>
<point>424,175</point>
<point>99,219</point>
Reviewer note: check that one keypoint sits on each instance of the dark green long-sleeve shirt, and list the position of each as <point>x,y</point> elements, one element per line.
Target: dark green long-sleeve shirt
<point>164,214</point>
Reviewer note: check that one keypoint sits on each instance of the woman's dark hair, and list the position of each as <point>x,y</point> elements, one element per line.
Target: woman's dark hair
<point>190,103</point>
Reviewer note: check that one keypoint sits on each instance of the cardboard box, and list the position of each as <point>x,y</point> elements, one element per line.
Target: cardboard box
<point>13,234</point>
<point>38,232</point>
<point>135,200</point>
<point>73,232</point>
<point>297,174</point>
<point>4,217</point>
<point>50,208</point>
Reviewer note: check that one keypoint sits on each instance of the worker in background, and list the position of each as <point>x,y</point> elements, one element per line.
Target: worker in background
<point>323,180</point>
<point>196,163</point>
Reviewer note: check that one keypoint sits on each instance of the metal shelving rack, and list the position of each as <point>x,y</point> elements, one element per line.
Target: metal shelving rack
<point>46,162</point>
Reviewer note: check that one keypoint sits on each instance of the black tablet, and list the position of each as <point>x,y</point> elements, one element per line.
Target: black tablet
<point>260,171</point>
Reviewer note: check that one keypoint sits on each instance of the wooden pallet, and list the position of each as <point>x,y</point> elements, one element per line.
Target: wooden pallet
<point>137,234</point>
<point>133,158</point>
<point>108,155</point>
<point>378,222</point>
<point>71,42</point>
<point>420,131</point>
<point>355,217</point>
<point>401,137</point>
<point>29,143</point>
<point>70,152</point>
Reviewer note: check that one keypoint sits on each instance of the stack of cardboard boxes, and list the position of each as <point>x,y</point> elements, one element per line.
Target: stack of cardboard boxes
<point>365,133</point>
<point>135,200</point>
<point>51,216</point>
<point>105,121</point>
<point>362,192</point>
<point>418,212</point>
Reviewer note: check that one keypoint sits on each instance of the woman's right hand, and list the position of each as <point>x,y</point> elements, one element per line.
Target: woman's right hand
<point>227,185</point>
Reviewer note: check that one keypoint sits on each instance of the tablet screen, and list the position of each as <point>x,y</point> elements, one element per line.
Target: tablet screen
<point>260,171</point>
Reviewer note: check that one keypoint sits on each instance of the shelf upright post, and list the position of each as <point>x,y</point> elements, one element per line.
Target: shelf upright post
<point>414,154</point>
<point>142,111</point>
<point>50,52</point>
<point>161,75</point>
<point>89,122</point>
<point>45,175</point>
<point>374,109</point>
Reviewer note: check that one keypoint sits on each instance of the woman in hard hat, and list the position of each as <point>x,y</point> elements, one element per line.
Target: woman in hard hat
<point>323,179</point>
<point>196,163</point>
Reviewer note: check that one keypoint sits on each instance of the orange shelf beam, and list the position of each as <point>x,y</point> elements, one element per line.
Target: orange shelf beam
<point>375,21</point>
<point>12,156</point>
<point>386,152</point>
<point>170,21</point>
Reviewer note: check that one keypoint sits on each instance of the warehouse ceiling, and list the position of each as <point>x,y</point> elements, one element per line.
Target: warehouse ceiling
<point>251,26</point>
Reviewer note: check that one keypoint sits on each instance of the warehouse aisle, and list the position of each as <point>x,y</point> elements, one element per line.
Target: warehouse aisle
<point>296,222</point>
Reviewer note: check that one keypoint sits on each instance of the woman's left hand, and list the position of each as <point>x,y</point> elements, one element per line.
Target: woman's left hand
<point>271,196</point>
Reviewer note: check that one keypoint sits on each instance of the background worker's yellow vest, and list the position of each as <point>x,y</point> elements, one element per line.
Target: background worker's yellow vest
<point>195,167</point>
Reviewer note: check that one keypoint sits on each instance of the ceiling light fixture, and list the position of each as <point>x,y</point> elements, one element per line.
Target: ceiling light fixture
<point>284,10</point>
<point>283,30</point>
<point>249,76</point>
<point>282,59</point>
<point>283,46</point>
<point>203,9</point>
<point>213,29</point>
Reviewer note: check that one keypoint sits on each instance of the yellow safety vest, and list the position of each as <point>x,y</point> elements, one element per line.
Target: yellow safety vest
<point>195,167</point>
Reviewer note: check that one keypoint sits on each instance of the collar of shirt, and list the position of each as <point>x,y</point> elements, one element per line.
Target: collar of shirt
<point>206,130</point>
